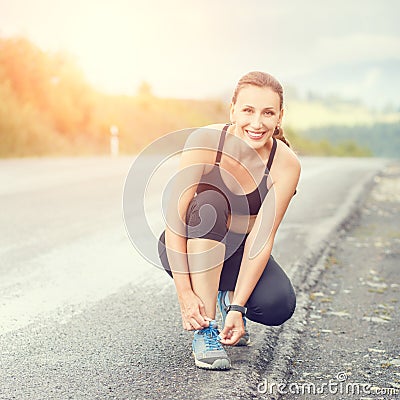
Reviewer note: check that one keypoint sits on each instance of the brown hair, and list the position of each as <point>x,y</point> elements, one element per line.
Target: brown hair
<point>262,79</point>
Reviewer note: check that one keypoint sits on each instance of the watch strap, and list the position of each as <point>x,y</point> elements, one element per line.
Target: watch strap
<point>235,307</point>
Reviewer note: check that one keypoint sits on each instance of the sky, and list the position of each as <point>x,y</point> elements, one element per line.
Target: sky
<point>196,49</point>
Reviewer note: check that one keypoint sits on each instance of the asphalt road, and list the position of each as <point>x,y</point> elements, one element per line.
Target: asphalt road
<point>84,316</point>
<point>349,347</point>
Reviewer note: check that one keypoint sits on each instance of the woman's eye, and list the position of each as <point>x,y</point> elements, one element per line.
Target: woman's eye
<point>268,113</point>
<point>247,110</point>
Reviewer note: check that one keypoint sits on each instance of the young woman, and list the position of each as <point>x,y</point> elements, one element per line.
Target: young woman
<point>234,185</point>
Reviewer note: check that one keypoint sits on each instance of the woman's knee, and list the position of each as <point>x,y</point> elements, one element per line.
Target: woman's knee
<point>274,311</point>
<point>207,216</point>
<point>273,300</point>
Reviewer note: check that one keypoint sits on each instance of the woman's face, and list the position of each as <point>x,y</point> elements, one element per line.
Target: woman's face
<point>256,114</point>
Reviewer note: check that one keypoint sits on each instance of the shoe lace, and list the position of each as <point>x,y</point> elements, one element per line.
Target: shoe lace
<point>211,338</point>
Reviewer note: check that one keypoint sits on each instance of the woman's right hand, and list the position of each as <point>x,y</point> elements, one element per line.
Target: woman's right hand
<point>193,312</point>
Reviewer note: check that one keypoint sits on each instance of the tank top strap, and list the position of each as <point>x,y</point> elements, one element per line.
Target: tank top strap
<point>221,144</point>
<point>271,157</point>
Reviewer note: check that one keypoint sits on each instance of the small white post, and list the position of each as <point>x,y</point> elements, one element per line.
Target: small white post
<point>114,140</point>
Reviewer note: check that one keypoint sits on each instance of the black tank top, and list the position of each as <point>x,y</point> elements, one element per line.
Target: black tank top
<point>242,204</point>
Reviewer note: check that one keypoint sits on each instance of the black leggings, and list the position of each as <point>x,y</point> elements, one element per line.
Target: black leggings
<point>273,299</point>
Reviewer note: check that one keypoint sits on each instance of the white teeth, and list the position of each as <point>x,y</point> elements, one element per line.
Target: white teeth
<point>255,134</point>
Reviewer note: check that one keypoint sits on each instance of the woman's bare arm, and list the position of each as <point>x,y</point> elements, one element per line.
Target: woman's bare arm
<point>199,150</point>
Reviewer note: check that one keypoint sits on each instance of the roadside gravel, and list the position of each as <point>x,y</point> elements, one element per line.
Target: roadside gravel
<point>349,346</point>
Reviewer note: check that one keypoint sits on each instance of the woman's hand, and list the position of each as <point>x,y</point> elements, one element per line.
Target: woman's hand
<point>233,329</point>
<point>192,311</point>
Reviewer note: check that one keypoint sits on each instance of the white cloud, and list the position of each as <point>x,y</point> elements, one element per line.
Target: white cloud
<point>356,47</point>
<point>372,77</point>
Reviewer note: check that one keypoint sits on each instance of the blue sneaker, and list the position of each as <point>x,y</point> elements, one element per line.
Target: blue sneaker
<point>223,301</point>
<point>208,351</point>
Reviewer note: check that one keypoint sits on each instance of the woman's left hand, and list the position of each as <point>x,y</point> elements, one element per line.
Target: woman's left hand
<point>233,329</point>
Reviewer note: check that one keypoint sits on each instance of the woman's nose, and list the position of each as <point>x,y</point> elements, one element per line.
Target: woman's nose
<point>256,122</point>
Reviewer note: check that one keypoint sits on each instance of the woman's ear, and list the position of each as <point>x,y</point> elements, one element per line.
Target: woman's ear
<point>232,113</point>
<point>280,117</point>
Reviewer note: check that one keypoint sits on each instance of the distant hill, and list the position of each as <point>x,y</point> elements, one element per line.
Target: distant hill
<point>342,124</point>
<point>329,111</point>
<point>375,83</point>
<point>383,140</point>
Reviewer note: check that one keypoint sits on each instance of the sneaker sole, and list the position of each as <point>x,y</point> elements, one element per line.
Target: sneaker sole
<point>221,364</point>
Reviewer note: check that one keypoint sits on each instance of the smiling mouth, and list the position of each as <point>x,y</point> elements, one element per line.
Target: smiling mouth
<point>255,135</point>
